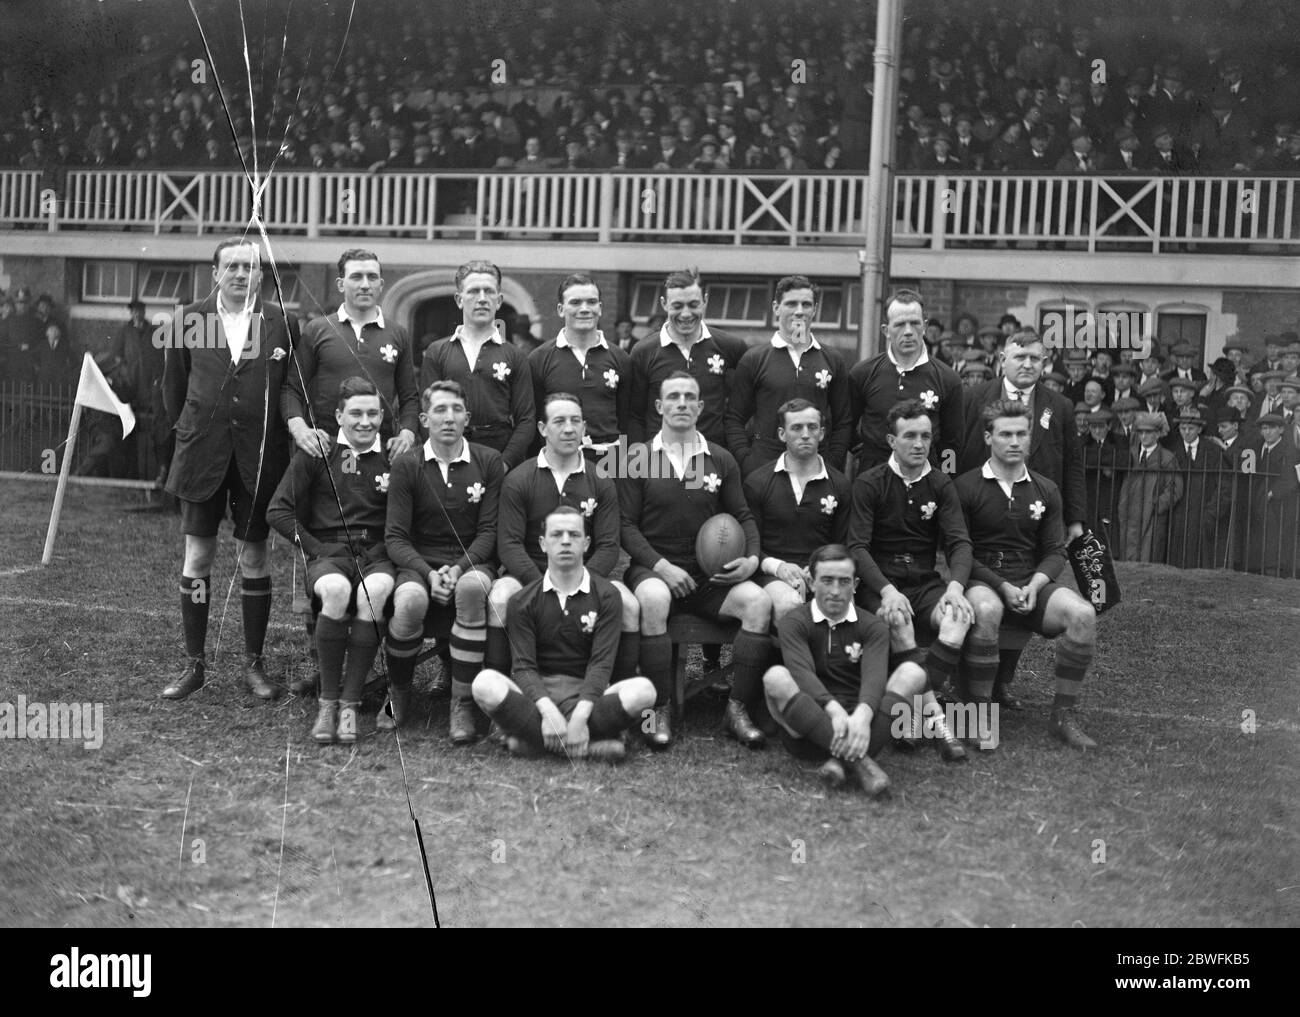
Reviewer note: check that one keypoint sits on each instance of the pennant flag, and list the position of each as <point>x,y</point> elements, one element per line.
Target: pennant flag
<point>93,390</point>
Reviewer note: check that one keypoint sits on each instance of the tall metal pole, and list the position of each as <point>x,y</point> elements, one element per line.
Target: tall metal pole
<point>880,201</point>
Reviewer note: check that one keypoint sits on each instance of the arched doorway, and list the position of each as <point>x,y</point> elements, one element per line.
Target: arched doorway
<point>437,318</point>
<point>423,303</point>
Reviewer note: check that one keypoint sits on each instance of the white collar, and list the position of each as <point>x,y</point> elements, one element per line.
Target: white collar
<point>821,466</point>
<point>924,358</point>
<point>344,316</point>
<point>986,471</point>
<point>342,440</point>
<point>583,587</point>
<point>700,447</point>
<point>781,344</point>
<point>898,470</point>
<point>462,458</point>
<point>494,337</point>
<point>544,464</point>
<point>818,617</point>
<point>562,341</point>
<point>666,340</point>
<point>1009,389</point>
<point>243,312</point>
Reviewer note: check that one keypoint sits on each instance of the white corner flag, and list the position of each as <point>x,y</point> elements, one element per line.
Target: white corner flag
<point>93,390</point>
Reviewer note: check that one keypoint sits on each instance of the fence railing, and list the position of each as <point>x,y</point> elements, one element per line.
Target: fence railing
<point>1157,214</point>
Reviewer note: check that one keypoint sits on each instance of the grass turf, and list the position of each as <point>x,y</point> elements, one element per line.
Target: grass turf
<point>184,817</point>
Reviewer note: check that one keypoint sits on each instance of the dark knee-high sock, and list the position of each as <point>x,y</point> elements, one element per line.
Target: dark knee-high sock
<point>980,660</point>
<point>608,718</point>
<point>1072,661</point>
<point>882,721</point>
<point>1008,660</point>
<point>657,665</point>
<point>195,594</point>
<point>467,645</point>
<point>363,643</point>
<point>518,715</point>
<point>331,645</point>
<point>496,649</point>
<point>808,720</point>
<point>628,656</point>
<point>400,656</point>
<point>940,662</point>
<point>256,602</point>
<point>750,654</point>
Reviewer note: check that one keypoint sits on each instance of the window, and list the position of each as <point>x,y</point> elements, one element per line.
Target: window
<point>108,281</point>
<point>1182,328</point>
<point>291,284</point>
<point>169,284</point>
<point>831,308</point>
<point>853,304</point>
<point>730,303</point>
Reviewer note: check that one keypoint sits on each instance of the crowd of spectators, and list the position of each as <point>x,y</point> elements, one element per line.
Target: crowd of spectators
<point>636,84</point>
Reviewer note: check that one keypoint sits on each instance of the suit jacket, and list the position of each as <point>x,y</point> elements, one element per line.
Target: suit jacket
<point>54,367</point>
<point>1054,448</point>
<point>224,409</point>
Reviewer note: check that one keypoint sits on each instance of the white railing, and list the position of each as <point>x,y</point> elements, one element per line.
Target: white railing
<point>1156,214</point>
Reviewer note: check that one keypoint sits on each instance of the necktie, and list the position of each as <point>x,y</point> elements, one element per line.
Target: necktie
<point>1142,459</point>
<point>1189,451</point>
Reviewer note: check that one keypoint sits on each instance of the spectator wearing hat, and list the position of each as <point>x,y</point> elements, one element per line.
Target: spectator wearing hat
<point>1154,395</point>
<point>1287,160</point>
<point>1038,60</point>
<point>1102,361</point>
<point>1270,400</point>
<point>1081,414</point>
<point>1167,158</point>
<point>1236,446</point>
<point>1170,105</point>
<point>1122,377</point>
<point>950,350</point>
<point>1274,497</point>
<point>1236,352</point>
<point>1056,381</point>
<point>1104,459</point>
<point>1125,409</point>
<point>989,340</point>
<point>1076,369</point>
<point>966,147</point>
<point>1184,354</point>
<point>1079,158</point>
<point>1148,494</point>
<point>1198,534</point>
<point>1223,138</point>
<point>1290,389</point>
<point>1123,157</point>
<point>1272,359</point>
<point>1240,399</point>
<point>1182,397</point>
<point>1223,373</point>
<point>974,372</point>
<point>1290,355</point>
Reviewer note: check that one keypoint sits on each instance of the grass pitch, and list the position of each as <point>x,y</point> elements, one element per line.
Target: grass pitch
<point>185,816</point>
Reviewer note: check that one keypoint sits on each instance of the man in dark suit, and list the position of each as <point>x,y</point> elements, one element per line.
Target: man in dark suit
<point>1275,496</point>
<point>1198,535</point>
<point>224,364</point>
<point>1054,448</point>
<point>1184,366</point>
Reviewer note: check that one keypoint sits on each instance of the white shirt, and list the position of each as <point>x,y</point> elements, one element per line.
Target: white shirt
<point>584,586</point>
<point>558,475</point>
<point>562,343</point>
<point>1191,449</point>
<point>444,467</point>
<point>924,358</point>
<point>236,325</point>
<point>357,323</point>
<point>898,470</point>
<point>341,439</point>
<point>472,347</point>
<point>666,340</point>
<point>684,453</point>
<point>797,484</point>
<point>986,471</point>
<point>818,617</point>
<point>796,353</point>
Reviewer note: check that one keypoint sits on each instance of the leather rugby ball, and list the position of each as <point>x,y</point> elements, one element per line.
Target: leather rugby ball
<point>719,541</point>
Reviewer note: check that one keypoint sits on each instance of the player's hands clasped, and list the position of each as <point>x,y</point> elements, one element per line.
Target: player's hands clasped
<point>895,609</point>
<point>735,571</point>
<point>959,607</point>
<point>555,728</point>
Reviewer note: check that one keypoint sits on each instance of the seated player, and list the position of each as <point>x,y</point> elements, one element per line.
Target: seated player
<point>564,631</point>
<point>830,699</point>
<point>441,535</point>
<point>903,512</point>
<point>799,504</point>
<point>560,475</point>
<point>687,480</point>
<point>1015,520</point>
<point>333,508</point>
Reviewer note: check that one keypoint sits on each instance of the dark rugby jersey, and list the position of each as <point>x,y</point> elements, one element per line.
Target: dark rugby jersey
<point>847,662</point>
<point>766,377</point>
<point>1027,528</point>
<point>791,531</point>
<point>329,353</point>
<point>306,503</point>
<point>579,639</point>
<point>889,518</point>
<point>877,384</point>
<point>529,494</point>
<point>663,513</point>
<point>603,383</point>
<point>498,391</point>
<point>712,363</point>
<point>434,522</point>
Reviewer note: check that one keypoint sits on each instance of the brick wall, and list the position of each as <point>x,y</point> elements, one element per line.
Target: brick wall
<point>1259,312</point>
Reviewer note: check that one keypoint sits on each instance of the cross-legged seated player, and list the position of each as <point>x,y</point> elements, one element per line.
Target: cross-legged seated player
<point>904,511</point>
<point>441,535</point>
<point>564,629</point>
<point>334,509</point>
<point>685,481</point>
<point>1014,517</point>
<point>799,504</point>
<point>559,475</point>
<point>830,699</point>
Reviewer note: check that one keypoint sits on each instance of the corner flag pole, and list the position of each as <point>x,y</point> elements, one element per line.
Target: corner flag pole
<point>59,492</point>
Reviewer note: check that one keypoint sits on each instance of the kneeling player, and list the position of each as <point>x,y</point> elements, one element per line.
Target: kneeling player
<point>333,508</point>
<point>1014,517</point>
<point>441,534</point>
<point>564,630</point>
<point>830,698</point>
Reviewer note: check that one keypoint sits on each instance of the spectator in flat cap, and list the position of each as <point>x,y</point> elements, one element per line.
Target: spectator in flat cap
<point>950,350</point>
<point>1270,400</point>
<point>1104,458</point>
<point>1056,381</point>
<point>975,372</point>
<point>1081,414</point>
<point>1122,378</point>
<point>1274,500</point>
<point>1198,533</point>
<point>1184,355</point>
<point>1148,494</point>
<point>1126,411</point>
<point>1272,359</point>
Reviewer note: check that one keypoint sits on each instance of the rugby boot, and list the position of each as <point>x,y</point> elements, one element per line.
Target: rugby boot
<point>522,749</point>
<point>1005,698</point>
<point>607,750</point>
<point>1065,726</point>
<point>741,728</point>
<point>950,748</point>
<point>870,777</point>
<point>256,680</point>
<point>348,717</point>
<point>660,735</point>
<point>327,722</point>
<point>396,709</point>
<point>188,681</point>
<point>831,773</point>
<point>464,726</point>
